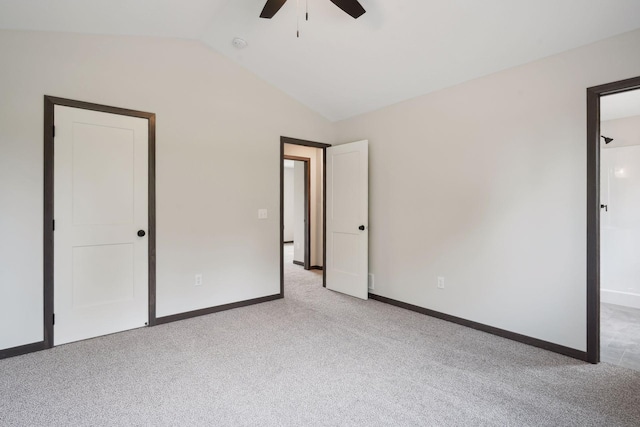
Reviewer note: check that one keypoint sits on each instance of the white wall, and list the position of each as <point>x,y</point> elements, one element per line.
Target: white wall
<point>287,214</point>
<point>620,223</point>
<point>298,209</point>
<point>315,154</point>
<point>485,184</point>
<point>218,151</point>
<point>625,132</point>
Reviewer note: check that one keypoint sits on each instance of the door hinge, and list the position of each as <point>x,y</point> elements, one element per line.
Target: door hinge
<point>54,318</point>
<point>53,131</point>
<point>54,225</point>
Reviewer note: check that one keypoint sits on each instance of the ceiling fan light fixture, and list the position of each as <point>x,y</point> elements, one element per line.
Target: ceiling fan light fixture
<point>351,7</point>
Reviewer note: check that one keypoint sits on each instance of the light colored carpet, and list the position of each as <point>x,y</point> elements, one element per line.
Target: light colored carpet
<point>314,358</point>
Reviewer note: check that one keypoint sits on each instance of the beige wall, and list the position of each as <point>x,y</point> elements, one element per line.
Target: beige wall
<point>485,184</point>
<point>288,204</point>
<point>218,150</point>
<point>625,132</point>
<point>299,247</point>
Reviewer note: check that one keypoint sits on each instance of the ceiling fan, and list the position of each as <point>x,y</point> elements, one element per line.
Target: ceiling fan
<point>352,7</point>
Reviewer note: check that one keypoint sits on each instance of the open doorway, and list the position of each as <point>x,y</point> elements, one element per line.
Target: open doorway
<point>339,183</point>
<point>297,210</point>
<point>613,219</point>
<point>620,229</point>
<point>302,212</point>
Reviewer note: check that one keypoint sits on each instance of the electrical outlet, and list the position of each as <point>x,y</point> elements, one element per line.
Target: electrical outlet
<point>198,281</point>
<point>372,284</point>
<point>262,214</point>
<point>440,282</point>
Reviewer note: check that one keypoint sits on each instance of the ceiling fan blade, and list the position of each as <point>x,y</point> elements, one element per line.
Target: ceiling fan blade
<point>352,7</point>
<point>271,8</point>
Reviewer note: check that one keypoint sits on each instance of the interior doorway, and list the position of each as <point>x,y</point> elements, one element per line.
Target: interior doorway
<point>99,217</point>
<point>338,222</point>
<point>604,220</point>
<point>302,240</point>
<point>620,229</point>
<point>297,209</point>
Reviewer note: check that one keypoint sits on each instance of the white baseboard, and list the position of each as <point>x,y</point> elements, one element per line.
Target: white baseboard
<point>626,299</point>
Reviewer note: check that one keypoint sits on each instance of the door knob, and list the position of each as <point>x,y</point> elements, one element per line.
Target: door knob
<point>361,227</point>
<point>141,233</point>
<point>605,207</point>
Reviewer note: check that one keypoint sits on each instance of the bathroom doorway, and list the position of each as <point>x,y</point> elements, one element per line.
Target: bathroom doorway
<point>620,229</point>
<point>613,195</point>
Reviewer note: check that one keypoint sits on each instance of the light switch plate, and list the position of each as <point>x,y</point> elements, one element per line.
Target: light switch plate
<point>262,214</point>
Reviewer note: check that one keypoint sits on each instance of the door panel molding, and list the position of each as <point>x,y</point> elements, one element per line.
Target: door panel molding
<point>49,132</point>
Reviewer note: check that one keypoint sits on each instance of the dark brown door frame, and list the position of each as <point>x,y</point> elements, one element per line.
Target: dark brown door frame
<point>593,208</point>
<point>49,103</point>
<point>293,141</point>
<point>307,209</point>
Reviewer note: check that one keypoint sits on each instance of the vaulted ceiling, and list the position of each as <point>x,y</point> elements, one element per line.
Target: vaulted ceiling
<point>343,67</point>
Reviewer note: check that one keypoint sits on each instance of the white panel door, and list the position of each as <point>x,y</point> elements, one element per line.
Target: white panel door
<point>100,204</point>
<point>348,218</point>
